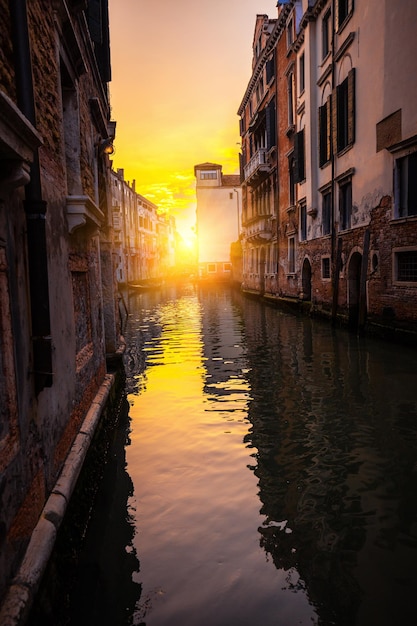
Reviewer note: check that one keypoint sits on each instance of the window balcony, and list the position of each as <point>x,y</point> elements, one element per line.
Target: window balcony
<point>257,167</point>
<point>259,231</point>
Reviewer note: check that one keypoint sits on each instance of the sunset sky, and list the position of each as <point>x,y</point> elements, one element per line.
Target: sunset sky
<point>179,73</point>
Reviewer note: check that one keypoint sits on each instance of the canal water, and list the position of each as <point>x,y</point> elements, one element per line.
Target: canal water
<point>266,473</point>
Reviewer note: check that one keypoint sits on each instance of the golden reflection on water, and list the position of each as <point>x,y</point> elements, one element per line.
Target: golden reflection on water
<point>195,502</point>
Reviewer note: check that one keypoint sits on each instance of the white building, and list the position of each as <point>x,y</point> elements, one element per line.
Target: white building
<point>218,219</point>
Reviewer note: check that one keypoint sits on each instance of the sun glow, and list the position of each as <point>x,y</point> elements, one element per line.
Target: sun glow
<point>187,251</point>
<point>175,97</point>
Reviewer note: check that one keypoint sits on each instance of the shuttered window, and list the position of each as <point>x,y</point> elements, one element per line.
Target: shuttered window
<point>290,93</point>
<point>291,181</point>
<point>301,67</point>
<point>326,208</point>
<point>271,125</point>
<point>303,221</point>
<point>325,35</point>
<point>343,113</point>
<point>345,205</point>
<point>405,185</point>
<point>270,69</point>
<point>325,132</point>
<point>291,255</point>
<point>299,157</point>
<point>94,19</point>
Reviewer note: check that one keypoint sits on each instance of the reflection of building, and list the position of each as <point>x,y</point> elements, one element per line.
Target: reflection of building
<point>346,156</point>
<point>334,485</point>
<point>218,220</point>
<point>94,554</point>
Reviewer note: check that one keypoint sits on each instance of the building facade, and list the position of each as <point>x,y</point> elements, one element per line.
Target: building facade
<point>344,201</point>
<point>218,220</point>
<point>58,306</point>
<point>258,128</point>
<point>144,240</point>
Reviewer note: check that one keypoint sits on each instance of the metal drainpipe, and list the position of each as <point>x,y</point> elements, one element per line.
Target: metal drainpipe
<point>35,206</point>
<point>333,238</point>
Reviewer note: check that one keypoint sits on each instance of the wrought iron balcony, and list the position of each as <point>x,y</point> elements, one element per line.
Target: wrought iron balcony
<point>257,166</point>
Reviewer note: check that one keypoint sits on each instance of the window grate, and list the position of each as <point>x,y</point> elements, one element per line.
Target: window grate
<point>325,267</point>
<point>407,266</point>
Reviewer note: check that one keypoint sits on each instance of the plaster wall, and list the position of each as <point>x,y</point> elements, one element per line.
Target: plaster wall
<point>217,222</point>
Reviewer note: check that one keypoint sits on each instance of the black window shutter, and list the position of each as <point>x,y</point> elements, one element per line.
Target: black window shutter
<point>334,121</point>
<point>299,157</point>
<point>329,128</point>
<point>270,120</point>
<point>341,118</point>
<point>322,134</point>
<point>351,107</point>
<point>94,20</point>
<point>270,69</point>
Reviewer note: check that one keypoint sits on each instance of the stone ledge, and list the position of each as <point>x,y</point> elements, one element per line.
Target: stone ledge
<point>19,597</point>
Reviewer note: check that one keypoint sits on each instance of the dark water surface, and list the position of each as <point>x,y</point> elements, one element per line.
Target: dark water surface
<point>269,476</point>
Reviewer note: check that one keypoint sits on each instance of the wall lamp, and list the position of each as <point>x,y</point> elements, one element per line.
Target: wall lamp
<point>106,146</point>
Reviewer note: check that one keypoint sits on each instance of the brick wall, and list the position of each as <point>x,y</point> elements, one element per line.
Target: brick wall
<point>39,437</point>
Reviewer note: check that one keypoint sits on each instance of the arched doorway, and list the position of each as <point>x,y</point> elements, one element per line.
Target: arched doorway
<point>306,280</point>
<point>354,281</point>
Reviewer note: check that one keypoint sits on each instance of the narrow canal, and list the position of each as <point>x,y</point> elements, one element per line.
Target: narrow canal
<point>267,474</point>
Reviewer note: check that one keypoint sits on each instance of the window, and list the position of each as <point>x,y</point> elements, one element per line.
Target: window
<point>290,93</point>
<point>325,34</point>
<point>301,67</point>
<point>303,221</point>
<point>299,157</point>
<point>270,70</point>
<point>291,255</point>
<point>344,9</point>
<point>227,267</point>
<point>345,204</point>
<point>324,132</point>
<point>290,33</point>
<point>271,125</point>
<point>325,267</point>
<point>406,266</point>
<point>258,47</point>
<point>208,175</point>
<point>345,105</point>
<point>211,268</point>
<point>405,186</point>
<point>291,181</point>
<point>326,211</point>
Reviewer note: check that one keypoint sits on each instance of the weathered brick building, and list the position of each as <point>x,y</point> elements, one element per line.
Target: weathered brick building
<point>58,310</point>
<point>144,239</point>
<point>344,158</point>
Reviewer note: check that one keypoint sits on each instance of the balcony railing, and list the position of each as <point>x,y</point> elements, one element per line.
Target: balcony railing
<point>259,231</point>
<point>257,165</point>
